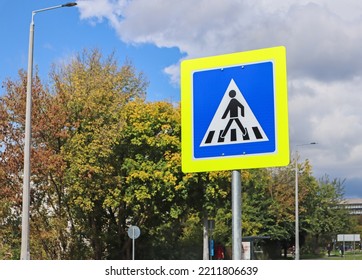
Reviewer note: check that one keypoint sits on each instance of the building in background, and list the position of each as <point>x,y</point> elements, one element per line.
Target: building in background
<point>353,205</point>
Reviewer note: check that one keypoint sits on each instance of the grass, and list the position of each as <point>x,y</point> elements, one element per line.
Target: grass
<point>357,255</point>
<point>335,255</point>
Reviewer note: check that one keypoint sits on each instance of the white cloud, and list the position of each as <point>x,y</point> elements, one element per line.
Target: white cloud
<point>320,39</point>
<point>321,43</point>
<point>174,72</point>
<point>323,40</point>
<point>99,10</point>
<point>328,113</point>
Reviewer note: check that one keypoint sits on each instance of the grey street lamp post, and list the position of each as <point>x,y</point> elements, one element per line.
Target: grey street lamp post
<point>297,251</point>
<point>25,252</point>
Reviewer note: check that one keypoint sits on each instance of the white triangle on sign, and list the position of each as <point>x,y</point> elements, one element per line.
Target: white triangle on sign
<point>234,122</point>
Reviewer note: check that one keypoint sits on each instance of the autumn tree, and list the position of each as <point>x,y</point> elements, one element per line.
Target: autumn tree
<point>93,92</point>
<point>123,161</point>
<point>74,123</point>
<point>44,163</point>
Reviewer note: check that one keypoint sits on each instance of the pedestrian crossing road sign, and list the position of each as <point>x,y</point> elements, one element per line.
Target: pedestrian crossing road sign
<point>234,111</point>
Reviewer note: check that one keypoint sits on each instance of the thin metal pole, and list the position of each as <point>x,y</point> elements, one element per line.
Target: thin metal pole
<point>205,255</point>
<point>133,243</point>
<point>25,228</point>
<point>296,210</point>
<point>25,253</point>
<point>236,214</point>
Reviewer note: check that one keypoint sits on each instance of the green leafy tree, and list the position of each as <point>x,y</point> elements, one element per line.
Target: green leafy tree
<point>152,192</point>
<point>94,91</point>
<point>324,217</point>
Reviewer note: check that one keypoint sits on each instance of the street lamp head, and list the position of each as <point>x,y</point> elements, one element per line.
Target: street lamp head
<point>306,144</point>
<point>70,4</point>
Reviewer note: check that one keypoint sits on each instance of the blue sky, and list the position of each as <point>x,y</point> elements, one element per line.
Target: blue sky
<point>323,40</point>
<point>60,33</point>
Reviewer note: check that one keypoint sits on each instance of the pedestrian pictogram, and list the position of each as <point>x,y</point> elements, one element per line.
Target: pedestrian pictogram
<point>234,121</point>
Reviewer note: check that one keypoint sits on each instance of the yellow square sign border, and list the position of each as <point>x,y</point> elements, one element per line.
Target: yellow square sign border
<point>281,157</point>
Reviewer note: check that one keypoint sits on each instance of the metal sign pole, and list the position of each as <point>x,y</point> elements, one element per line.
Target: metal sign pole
<point>133,243</point>
<point>236,214</point>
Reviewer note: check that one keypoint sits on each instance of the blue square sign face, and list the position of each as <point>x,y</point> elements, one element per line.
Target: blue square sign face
<point>234,111</point>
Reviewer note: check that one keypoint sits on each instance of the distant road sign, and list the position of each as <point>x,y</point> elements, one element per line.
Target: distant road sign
<point>234,111</point>
<point>134,232</point>
<point>349,237</point>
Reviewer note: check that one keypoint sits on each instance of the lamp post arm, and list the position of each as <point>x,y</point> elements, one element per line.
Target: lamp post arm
<point>70,4</point>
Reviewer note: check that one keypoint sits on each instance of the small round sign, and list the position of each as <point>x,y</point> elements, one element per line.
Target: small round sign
<point>134,232</point>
